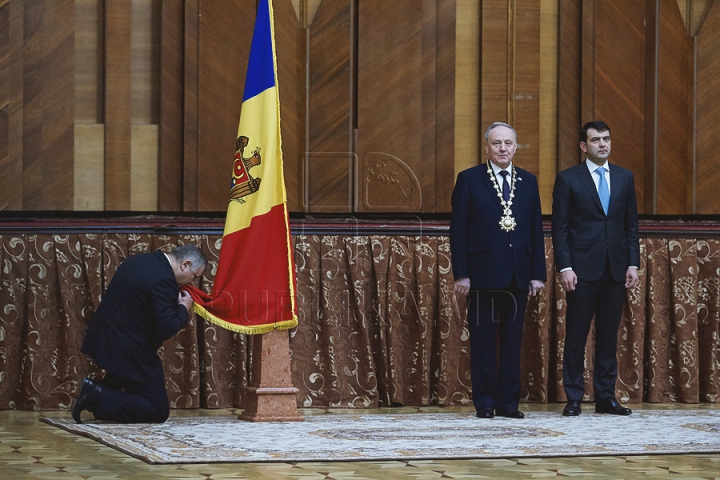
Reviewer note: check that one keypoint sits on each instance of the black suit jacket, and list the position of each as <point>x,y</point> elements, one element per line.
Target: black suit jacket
<point>583,236</point>
<point>480,249</point>
<point>138,312</point>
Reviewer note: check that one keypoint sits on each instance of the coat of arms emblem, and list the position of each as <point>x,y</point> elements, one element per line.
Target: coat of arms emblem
<point>243,183</point>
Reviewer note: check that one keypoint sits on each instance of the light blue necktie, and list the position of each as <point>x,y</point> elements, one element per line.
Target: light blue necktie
<point>603,189</point>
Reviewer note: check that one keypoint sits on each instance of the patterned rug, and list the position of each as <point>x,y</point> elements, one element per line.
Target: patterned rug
<point>410,436</point>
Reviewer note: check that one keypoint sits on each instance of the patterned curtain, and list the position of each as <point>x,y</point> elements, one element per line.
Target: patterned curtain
<point>379,324</point>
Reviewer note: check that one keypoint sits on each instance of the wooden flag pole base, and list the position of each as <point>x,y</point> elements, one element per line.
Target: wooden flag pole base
<point>271,396</point>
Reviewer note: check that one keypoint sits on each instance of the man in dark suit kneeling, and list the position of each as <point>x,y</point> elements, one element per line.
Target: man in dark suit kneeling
<point>142,307</point>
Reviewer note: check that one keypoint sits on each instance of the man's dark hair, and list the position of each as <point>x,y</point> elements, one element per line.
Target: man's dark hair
<point>189,252</point>
<point>598,125</point>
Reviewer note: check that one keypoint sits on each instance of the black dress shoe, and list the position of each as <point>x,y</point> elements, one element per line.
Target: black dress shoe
<point>88,399</point>
<point>485,413</point>
<point>512,414</point>
<point>572,409</point>
<point>612,407</point>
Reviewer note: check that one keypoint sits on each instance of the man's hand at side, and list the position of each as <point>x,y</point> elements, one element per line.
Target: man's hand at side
<point>462,286</point>
<point>568,280</point>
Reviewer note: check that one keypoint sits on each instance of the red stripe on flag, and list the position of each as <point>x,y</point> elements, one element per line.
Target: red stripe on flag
<point>254,274</point>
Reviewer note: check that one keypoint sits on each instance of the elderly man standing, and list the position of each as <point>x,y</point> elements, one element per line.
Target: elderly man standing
<point>498,257</point>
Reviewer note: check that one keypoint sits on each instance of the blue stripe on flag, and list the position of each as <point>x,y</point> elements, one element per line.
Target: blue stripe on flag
<point>261,73</point>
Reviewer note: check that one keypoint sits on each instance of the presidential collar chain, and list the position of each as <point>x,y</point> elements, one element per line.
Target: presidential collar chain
<point>507,221</point>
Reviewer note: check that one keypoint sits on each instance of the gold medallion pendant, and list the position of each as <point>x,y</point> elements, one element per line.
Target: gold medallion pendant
<point>507,223</point>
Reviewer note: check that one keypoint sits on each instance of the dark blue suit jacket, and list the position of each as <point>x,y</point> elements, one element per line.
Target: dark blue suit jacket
<point>583,236</point>
<point>480,249</point>
<point>137,313</point>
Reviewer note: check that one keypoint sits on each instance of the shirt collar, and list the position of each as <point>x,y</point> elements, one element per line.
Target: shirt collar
<point>496,169</point>
<point>592,166</point>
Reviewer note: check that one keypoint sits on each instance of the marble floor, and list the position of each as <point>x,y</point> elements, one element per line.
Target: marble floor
<point>30,449</point>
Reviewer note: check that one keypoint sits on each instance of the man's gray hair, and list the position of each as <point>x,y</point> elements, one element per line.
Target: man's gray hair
<point>499,124</point>
<point>189,252</point>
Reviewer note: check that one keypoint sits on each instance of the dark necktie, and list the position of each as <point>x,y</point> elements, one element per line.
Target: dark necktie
<point>506,186</point>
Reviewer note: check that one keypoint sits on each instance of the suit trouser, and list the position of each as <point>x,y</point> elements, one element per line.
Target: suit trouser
<point>495,318</point>
<point>130,401</point>
<point>603,299</point>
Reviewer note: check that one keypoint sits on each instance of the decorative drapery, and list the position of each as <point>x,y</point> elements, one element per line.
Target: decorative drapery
<point>379,324</point>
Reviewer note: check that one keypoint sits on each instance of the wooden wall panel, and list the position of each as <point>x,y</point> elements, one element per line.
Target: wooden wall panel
<point>397,134</point>
<point>548,101</point>
<point>118,27</point>
<point>89,168</point>
<point>4,101</point>
<point>569,86</point>
<point>145,62</point>
<point>48,87</point>
<point>191,106</point>
<point>170,162</point>
<point>524,91</point>
<point>618,64</point>
<point>510,75</point>
<point>468,144</point>
<point>707,103</point>
<point>12,164</point>
<point>222,65</point>
<point>144,168</point>
<point>674,116</point>
<point>445,105</point>
<point>290,51</point>
<point>495,60</point>
<point>89,61</point>
<point>328,166</point>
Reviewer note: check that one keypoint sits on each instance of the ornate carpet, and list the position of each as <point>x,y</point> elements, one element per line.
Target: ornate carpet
<point>410,436</point>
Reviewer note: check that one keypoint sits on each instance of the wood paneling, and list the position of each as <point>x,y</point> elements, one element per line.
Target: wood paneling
<point>170,163</point>
<point>290,52</point>
<point>707,103</point>
<point>548,101</point>
<point>618,69</point>
<point>89,168</point>
<point>89,61</point>
<point>398,58</point>
<point>48,87</point>
<point>524,92</point>
<point>468,143</point>
<point>144,168</point>
<point>569,87</point>
<point>224,43</point>
<point>118,28</point>
<point>328,166</point>
<point>145,62</point>
<point>12,164</point>
<point>510,75</point>
<point>674,115</point>
<point>495,62</point>
<point>390,106</point>
<point>445,104</point>
<point>374,98</point>
<point>191,107</point>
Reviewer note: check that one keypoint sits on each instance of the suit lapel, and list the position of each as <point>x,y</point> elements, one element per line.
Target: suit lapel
<point>587,180</point>
<point>615,185</point>
<point>490,186</point>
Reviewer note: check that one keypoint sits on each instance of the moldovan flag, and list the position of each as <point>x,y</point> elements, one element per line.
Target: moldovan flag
<point>254,289</point>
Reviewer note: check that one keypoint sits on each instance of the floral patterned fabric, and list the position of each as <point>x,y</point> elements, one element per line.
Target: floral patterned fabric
<point>379,324</point>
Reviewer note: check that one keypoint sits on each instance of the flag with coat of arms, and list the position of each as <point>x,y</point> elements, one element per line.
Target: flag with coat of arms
<point>254,289</point>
